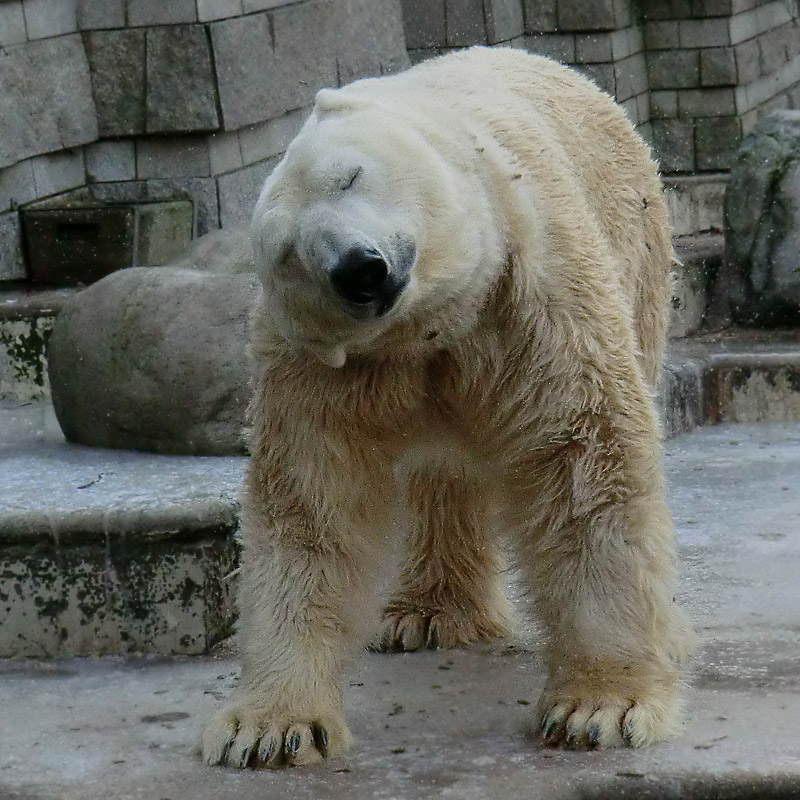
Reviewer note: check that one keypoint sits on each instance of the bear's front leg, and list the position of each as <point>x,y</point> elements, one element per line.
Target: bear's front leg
<point>601,559</point>
<point>287,708</point>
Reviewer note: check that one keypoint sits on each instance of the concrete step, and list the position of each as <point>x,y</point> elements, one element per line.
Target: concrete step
<point>110,551</point>
<point>450,724</point>
<point>105,551</point>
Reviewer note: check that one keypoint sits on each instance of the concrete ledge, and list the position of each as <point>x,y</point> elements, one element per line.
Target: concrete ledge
<point>110,551</point>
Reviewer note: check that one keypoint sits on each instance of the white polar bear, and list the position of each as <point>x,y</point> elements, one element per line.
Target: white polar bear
<point>466,271</point>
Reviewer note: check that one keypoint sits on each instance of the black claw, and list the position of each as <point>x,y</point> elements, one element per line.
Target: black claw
<point>320,738</point>
<point>551,729</point>
<point>594,736</point>
<point>267,750</point>
<point>293,745</point>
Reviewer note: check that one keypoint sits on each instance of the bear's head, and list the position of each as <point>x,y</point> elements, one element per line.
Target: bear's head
<point>373,228</point>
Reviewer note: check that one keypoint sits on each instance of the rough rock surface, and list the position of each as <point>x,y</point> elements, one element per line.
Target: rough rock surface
<point>154,359</point>
<point>760,280</point>
<point>228,251</point>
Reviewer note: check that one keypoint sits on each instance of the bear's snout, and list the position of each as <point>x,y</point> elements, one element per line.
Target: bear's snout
<point>362,277</point>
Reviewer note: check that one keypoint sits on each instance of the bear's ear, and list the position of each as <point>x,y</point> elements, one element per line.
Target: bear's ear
<point>330,101</point>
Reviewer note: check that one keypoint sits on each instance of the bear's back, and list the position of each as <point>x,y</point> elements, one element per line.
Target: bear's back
<point>557,122</point>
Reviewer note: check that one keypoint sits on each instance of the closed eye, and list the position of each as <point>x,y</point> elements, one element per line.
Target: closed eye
<point>350,179</point>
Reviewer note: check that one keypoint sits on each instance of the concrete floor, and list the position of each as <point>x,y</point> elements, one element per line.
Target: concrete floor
<point>451,724</point>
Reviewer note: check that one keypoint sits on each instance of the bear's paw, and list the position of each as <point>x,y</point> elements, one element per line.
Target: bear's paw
<point>406,630</point>
<point>241,735</point>
<point>584,715</point>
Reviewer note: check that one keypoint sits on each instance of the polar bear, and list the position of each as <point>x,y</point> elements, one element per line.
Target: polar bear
<point>466,271</point>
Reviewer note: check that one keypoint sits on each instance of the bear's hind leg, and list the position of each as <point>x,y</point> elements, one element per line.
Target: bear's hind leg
<point>451,589</point>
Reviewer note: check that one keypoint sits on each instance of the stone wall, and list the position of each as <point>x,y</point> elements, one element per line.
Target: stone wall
<point>130,101</point>
<point>693,75</point>
<point>134,101</point>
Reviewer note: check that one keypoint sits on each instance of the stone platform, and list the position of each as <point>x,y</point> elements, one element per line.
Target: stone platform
<point>450,724</point>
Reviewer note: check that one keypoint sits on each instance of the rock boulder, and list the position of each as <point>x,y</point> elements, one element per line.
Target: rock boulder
<point>153,358</point>
<point>759,283</point>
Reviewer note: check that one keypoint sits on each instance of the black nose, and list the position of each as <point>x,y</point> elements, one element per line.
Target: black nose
<point>360,275</point>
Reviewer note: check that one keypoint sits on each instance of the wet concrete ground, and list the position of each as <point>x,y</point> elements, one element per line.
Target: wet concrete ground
<point>451,724</point>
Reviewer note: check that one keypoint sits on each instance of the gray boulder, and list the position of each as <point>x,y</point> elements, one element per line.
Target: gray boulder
<point>153,358</point>
<point>759,283</point>
<point>228,251</point>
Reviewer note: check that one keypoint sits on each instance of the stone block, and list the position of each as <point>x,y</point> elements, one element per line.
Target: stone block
<point>57,172</point>
<point>308,38</point>
<point>748,61</point>
<point>772,50</point>
<point>251,6</point>
<point>45,98</point>
<point>712,8</point>
<point>771,15</point>
<point>643,105</point>
<point>593,48</point>
<point>99,14</point>
<point>673,142</point>
<point>117,62</point>
<point>16,185</point>
<point>173,157</point>
<point>664,104</point>
<point>716,142</point>
<point>369,40</point>
<point>163,233</point>
<point>270,138</point>
<point>423,54</point>
<point>792,40</point>
<point>504,20</point>
<point>12,267</point>
<point>718,66</point>
<point>158,12</point>
<point>239,191</point>
<point>662,35</point>
<point>706,103</point>
<point>631,109</point>
<point>558,46</point>
<point>268,64</point>
<point>578,15</point>
<point>110,161</point>
<point>465,22</point>
<point>710,32</point>
<point>602,75</point>
<point>424,23</point>
<point>666,9</point>
<point>540,16</point>
<point>208,10</point>
<point>626,42</point>
<point>181,91</point>
<point>630,76</point>
<point>743,26</point>
<point>224,152</point>
<point>46,18</point>
<point>673,69</point>
<point>12,23</point>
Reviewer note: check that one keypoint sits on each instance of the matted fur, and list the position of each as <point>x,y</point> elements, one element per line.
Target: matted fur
<point>507,393</point>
